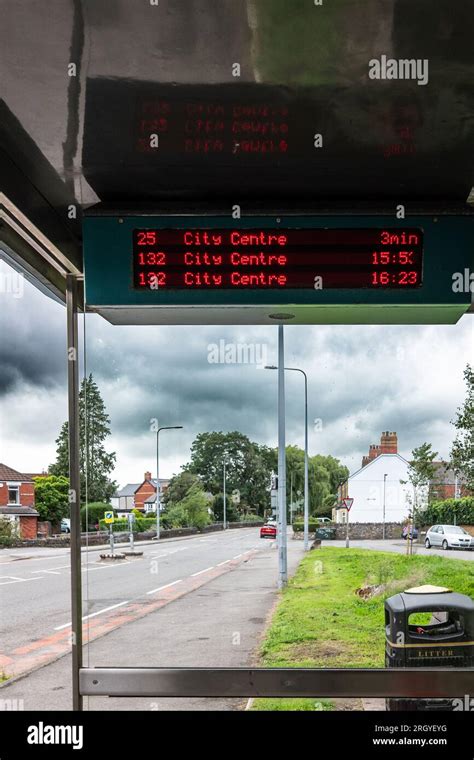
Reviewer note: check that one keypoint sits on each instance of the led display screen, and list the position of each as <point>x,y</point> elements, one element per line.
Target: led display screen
<point>277,259</point>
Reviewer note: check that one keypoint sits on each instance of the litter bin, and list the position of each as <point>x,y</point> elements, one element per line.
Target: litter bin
<point>428,626</point>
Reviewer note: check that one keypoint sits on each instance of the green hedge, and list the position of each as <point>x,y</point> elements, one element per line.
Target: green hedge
<point>298,527</point>
<point>93,513</point>
<point>448,510</point>
<point>140,525</point>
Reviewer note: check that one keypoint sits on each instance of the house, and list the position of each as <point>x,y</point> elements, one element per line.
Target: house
<point>140,496</point>
<point>17,501</point>
<point>375,484</point>
<point>446,483</point>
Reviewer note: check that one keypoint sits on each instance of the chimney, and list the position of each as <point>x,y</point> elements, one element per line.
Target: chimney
<point>388,443</point>
<point>147,476</point>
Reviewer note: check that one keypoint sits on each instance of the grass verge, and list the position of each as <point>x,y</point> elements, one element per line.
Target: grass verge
<point>321,622</point>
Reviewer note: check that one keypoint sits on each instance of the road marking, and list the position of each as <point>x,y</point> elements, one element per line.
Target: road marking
<point>167,585</point>
<point>17,580</point>
<point>51,569</point>
<point>223,563</point>
<point>94,614</point>
<point>193,575</point>
<point>237,556</point>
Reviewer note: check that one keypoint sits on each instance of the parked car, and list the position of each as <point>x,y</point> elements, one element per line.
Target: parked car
<point>65,525</point>
<point>413,532</point>
<point>268,531</point>
<point>449,537</point>
<point>323,519</point>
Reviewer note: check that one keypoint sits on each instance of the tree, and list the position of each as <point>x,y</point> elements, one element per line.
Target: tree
<point>179,487</point>
<point>195,505</point>
<point>248,466</point>
<point>218,509</point>
<point>421,471</point>
<point>51,497</point>
<point>95,462</point>
<point>462,450</point>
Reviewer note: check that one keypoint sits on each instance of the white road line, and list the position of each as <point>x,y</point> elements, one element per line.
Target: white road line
<point>237,556</point>
<point>51,569</point>
<point>223,563</point>
<point>18,580</point>
<point>167,585</point>
<point>94,614</point>
<point>193,575</point>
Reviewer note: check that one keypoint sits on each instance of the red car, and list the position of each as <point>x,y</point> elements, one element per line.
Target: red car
<point>268,531</point>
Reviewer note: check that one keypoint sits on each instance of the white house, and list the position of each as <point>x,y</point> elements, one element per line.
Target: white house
<point>367,487</point>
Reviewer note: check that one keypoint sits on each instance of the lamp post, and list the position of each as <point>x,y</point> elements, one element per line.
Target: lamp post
<point>306,478</point>
<point>383,518</point>
<point>158,489</point>
<point>224,501</point>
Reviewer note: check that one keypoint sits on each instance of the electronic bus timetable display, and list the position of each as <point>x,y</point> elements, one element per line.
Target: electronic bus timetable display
<point>193,267</point>
<point>276,259</point>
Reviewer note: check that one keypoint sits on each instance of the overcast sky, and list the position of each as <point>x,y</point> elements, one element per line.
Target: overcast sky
<point>362,380</point>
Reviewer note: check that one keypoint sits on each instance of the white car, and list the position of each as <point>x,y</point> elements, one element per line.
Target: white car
<point>449,537</point>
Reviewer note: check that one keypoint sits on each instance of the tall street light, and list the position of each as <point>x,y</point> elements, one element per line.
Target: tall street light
<point>158,489</point>
<point>224,510</point>
<point>306,479</point>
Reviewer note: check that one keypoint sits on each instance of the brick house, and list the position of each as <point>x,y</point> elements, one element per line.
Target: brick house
<point>17,501</point>
<point>446,484</point>
<point>140,496</point>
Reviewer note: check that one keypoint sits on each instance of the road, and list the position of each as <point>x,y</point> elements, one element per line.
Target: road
<point>400,547</point>
<point>35,583</point>
<point>214,617</point>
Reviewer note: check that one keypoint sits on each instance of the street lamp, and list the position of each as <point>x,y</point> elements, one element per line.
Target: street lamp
<point>224,511</point>
<point>158,489</point>
<point>306,479</point>
<point>383,519</point>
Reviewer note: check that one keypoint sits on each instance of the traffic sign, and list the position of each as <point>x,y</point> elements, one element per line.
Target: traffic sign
<point>348,503</point>
<point>108,518</point>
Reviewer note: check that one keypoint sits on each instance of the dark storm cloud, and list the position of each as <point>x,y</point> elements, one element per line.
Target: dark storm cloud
<point>33,340</point>
<point>362,380</point>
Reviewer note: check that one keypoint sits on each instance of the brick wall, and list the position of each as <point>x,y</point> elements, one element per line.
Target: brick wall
<point>26,494</point>
<point>28,527</point>
<point>145,490</point>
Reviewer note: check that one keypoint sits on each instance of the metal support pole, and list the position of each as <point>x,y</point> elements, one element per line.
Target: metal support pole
<point>383,517</point>
<point>111,537</point>
<point>158,484</point>
<point>74,486</point>
<point>306,479</point>
<point>224,501</point>
<point>282,547</point>
<point>347,528</point>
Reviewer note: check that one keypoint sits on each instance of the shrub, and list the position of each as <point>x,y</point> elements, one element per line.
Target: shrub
<point>448,510</point>
<point>7,532</point>
<point>250,518</point>
<point>140,525</point>
<point>298,527</point>
<point>93,513</point>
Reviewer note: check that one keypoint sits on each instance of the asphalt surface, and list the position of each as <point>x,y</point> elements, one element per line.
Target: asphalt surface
<point>35,583</point>
<point>219,624</point>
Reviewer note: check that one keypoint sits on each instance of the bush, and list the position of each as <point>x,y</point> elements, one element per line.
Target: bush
<point>175,517</point>
<point>140,525</point>
<point>92,513</point>
<point>298,527</point>
<point>250,518</point>
<point>7,532</point>
<point>448,510</point>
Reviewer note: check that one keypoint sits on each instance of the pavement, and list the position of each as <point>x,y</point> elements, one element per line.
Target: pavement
<point>209,604</point>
